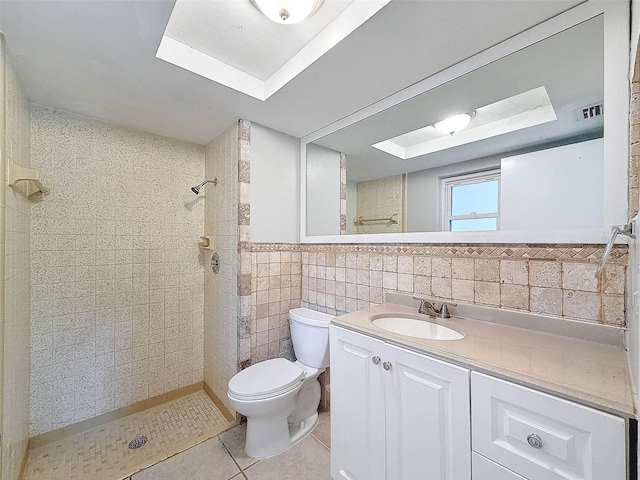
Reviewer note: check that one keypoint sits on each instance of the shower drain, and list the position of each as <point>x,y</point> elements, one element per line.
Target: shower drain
<point>137,442</point>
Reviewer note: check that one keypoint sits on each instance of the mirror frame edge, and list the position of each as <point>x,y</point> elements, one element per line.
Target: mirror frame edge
<point>616,127</point>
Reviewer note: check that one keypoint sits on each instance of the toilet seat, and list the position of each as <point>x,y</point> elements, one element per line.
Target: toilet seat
<point>266,379</point>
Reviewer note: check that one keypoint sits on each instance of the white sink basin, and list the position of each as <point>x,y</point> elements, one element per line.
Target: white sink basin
<point>414,327</point>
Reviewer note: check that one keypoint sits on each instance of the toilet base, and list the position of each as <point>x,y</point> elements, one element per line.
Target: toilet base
<point>298,432</point>
<point>280,439</point>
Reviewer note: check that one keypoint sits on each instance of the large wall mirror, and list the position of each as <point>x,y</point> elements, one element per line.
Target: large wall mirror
<point>528,146</point>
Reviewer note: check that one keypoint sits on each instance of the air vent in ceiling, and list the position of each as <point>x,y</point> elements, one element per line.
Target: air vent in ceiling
<point>589,112</point>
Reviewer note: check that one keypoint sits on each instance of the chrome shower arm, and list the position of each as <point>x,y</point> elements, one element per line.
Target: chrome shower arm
<point>197,188</point>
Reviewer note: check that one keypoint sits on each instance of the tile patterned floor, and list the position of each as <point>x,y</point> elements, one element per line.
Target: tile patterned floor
<point>102,453</point>
<point>223,458</point>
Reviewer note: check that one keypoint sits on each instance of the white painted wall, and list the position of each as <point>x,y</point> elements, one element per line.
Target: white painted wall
<point>275,162</point>
<point>423,192</point>
<point>556,188</point>
<point>323,191</point>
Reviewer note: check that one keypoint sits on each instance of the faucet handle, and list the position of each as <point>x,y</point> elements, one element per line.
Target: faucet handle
<point>444,310</point>
<point>423,304</point>
<point>426,307</point>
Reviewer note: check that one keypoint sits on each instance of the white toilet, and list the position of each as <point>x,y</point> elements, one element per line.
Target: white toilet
<point>280,398</point>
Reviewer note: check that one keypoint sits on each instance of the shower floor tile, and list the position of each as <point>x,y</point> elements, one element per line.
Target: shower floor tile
<point>102,453</point>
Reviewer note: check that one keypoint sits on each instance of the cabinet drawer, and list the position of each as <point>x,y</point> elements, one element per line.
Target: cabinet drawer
<point>485,469</point>
<point>544,437</point>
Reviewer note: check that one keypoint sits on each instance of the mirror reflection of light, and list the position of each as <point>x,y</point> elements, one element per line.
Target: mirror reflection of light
<point>514,113</point>
<point>453,124</point>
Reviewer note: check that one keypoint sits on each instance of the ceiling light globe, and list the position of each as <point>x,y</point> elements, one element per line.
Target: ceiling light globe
<point>453,124</point>
<point>287,12</point>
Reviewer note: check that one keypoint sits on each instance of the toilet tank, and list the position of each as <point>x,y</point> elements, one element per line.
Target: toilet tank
<point>310,336</point>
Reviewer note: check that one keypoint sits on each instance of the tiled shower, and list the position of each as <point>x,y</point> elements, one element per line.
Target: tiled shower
<point>117,284</point>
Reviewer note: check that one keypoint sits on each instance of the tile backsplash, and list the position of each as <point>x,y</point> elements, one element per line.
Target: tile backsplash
<point>551,280</point>
<point>117,275</point>
<point>275,289</point>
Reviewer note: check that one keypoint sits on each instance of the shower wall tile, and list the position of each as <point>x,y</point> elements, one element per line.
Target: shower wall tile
<point>117,273</point>
<point>222,296</point>
<point>14,278</point>
<point>380,198</point>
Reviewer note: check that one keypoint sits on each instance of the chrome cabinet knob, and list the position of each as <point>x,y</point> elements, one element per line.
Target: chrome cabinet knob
<point>386,365</point>
<point>534,440</point>
<point>376,360</point>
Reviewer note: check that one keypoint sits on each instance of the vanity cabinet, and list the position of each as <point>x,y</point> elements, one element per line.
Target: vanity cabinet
<point>400,415</point>
<point>396,414</point>
<point>540,436</point>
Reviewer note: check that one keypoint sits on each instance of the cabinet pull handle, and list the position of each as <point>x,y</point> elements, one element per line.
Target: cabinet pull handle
<point>386,365</point>
<point>376,360</point>
<point>534,440</point>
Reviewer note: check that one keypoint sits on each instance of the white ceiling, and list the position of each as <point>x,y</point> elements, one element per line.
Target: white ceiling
<point>251,45</point>
<point>253,56</point>
<point>97,58</point>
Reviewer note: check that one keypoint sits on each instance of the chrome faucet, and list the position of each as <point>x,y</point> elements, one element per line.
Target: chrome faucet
<point>427,308</point>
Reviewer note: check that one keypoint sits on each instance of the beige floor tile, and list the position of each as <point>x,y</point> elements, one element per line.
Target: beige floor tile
<point>206,461</point>
<point>322,431</point>
<point>307,460</point>
<point>234,440</point>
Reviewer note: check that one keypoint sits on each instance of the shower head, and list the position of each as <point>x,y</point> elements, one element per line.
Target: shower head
<point>197,188</point>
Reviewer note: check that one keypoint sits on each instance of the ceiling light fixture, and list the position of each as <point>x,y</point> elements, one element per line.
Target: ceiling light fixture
<point>287,12</point>
<point>455,123</point>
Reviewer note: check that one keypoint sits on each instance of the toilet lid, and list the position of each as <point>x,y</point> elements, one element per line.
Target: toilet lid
<point>310,317</point>
<point>266,378</point>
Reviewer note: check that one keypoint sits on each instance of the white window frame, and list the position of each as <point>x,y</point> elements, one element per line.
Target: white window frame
<point>448,183</point>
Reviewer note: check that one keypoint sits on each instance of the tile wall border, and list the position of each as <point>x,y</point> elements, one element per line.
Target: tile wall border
<point>582,253</point>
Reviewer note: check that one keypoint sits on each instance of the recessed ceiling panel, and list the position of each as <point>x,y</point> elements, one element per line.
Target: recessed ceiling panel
<point>232,43</point>
<point>511,114</point>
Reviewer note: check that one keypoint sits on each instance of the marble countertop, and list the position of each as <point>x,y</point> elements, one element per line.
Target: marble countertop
<point>587,372</point>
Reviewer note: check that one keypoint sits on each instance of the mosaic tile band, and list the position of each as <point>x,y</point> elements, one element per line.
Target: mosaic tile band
<point>592,253</point>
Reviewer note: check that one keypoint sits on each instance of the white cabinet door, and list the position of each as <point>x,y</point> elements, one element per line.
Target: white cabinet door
<point>485,469</point>
<point>428,422</point>
<point>542,437</point>
<point>357,407</point>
